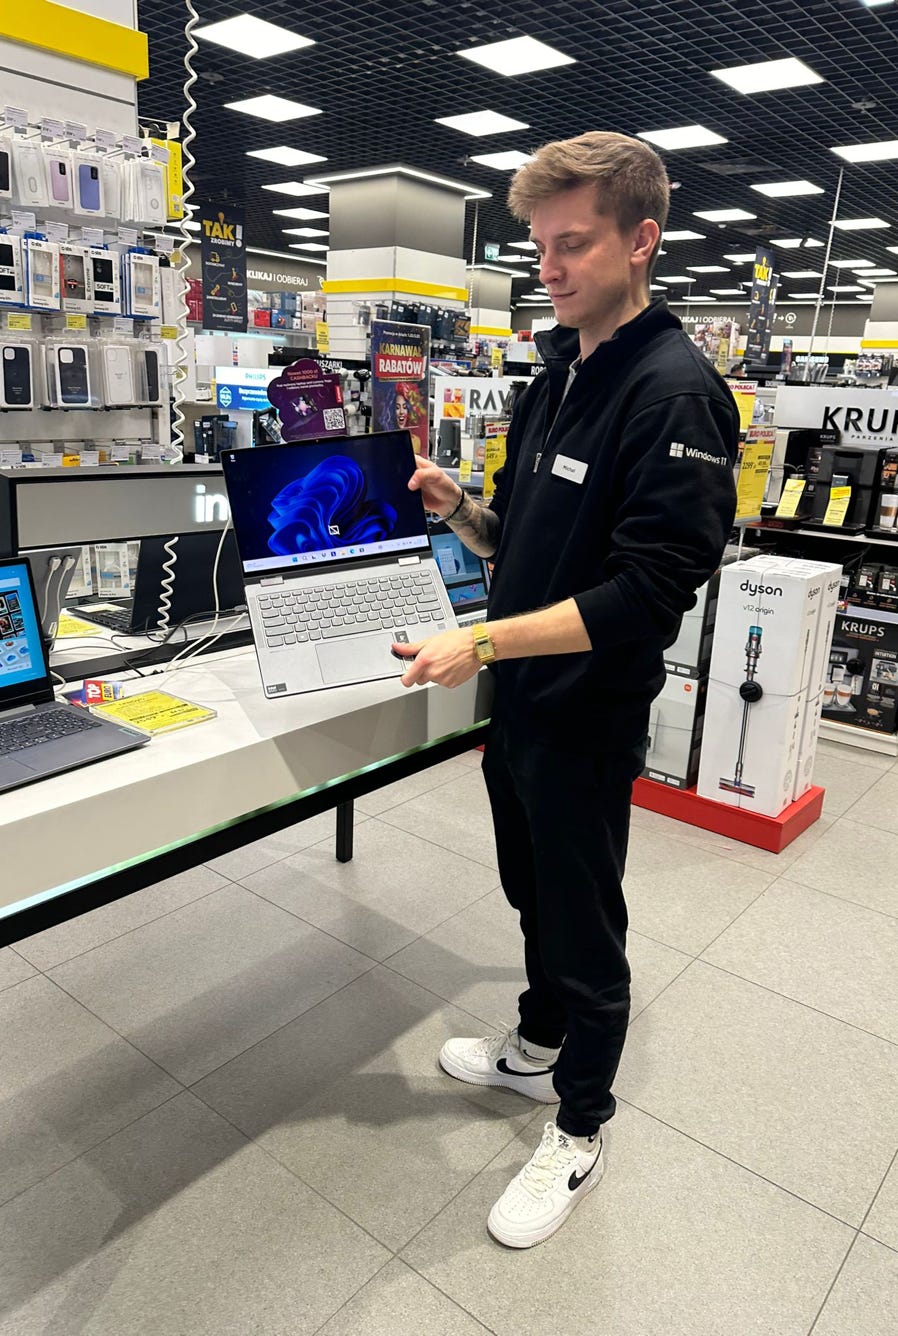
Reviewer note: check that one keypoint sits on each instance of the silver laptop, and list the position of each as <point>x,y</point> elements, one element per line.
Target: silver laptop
<point>337,560</point>
<point>465,575</point>
<point>40,736</point>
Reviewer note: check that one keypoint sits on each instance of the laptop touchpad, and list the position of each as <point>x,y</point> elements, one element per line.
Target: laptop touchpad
<point>357,660</point>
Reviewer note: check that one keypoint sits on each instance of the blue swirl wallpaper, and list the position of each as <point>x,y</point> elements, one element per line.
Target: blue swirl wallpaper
<point>327,505</point>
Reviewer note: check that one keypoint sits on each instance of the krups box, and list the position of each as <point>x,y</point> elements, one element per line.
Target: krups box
<point>762,662</point>
<point>675,732</point>
<point>862,682</point>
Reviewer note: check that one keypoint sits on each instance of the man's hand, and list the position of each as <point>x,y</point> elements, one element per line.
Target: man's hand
<point>448,659</point>
<point>441,495</point>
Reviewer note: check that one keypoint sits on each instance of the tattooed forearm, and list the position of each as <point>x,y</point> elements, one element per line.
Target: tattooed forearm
<point>477,527</point>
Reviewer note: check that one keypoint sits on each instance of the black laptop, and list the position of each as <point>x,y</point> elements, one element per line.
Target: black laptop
<point>40,736</point>
<point>192,591</point>
<point>465,575</point>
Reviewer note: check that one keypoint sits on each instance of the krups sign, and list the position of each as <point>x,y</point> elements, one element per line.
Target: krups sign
<point>863,417</point>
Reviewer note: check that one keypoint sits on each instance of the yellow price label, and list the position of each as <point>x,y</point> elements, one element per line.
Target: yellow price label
<point>322,336</point>
<point>493,459</point>
<point>169,331</point>
<point>839,501</point>
<point>752,480</point>
<point>71,461</point>
<point>18,320</point>
<point>76,322</point>
<point>791,499</point>
<point>156,711</point>
<point>465,469</point>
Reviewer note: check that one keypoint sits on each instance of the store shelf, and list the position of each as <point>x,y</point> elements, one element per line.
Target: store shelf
<point>886,744</point>
<point>773,833</point>
<point>829,534</point>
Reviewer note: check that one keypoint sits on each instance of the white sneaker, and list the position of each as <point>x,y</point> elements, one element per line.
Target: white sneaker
<point>540,1198</point>
<point>497,1060</point>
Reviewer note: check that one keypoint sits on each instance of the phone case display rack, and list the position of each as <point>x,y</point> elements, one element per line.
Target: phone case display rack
<point>87,295</point>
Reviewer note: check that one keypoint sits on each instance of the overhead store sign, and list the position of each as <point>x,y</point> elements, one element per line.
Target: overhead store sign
<point>457,398</point>
<point>761,309</point>
<point>863,417</point>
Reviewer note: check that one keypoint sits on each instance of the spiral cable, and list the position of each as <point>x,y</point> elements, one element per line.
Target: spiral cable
<point>167,584</point>
<point>185,238</point>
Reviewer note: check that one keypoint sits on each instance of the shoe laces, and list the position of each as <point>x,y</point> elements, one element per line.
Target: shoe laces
<point>554,1155</point>
<point>503,1036</point>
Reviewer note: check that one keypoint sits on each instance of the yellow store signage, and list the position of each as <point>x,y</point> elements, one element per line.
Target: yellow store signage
<point>68,32</point>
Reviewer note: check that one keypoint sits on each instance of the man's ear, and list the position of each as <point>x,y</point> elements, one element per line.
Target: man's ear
<point>645,238</point>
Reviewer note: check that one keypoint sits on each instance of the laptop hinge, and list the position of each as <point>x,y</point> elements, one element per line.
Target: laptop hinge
<point>272,580</point>
<point>409,561</point>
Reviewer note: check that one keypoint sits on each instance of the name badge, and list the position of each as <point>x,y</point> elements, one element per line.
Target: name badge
<point>572,469</point>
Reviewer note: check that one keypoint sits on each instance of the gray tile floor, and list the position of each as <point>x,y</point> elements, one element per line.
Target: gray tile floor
<point>222,1111</point>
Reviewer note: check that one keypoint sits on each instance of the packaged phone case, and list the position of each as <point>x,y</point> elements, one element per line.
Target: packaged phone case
<point>29,174</point>
<point>69,377</point>
<point>152,194</point>
<point>151,374</point>
<point>88,184</point>
<point>16,373</point>
<point>105,281</point>
<point>40,263</point>
<point>116,364</point>
<point>141,295</point>
<point>59,178</point>
<point>111,175</point>
<point>5,167</point>
<point>12,283</point>
<point>76,274</point>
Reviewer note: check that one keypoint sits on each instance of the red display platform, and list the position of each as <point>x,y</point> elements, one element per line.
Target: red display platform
<point>764,832</point>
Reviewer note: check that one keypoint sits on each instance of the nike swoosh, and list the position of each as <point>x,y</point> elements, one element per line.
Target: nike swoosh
<point>503,1066</point>
<point>577,1180</point>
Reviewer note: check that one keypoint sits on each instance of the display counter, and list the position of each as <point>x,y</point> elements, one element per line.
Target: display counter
<point>88,837</point>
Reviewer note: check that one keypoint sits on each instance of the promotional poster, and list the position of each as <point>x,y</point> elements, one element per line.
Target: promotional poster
<point>763,302</point>
<point>400,366</point>
<point>223,261</point>
<point>309,401</point>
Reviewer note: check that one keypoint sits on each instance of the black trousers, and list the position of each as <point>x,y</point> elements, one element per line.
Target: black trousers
<point>562,821</point>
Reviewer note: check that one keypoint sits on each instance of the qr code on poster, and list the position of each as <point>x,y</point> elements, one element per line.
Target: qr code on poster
<point>334,419</point>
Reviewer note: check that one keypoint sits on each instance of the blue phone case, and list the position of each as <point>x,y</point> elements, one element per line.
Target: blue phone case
<point>89,188</point>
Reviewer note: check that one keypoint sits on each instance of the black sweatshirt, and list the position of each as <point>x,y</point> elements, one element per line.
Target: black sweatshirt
<point>652,433</point>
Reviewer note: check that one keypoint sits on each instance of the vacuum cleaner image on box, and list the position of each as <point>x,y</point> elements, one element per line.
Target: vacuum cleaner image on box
<point>750,691</point>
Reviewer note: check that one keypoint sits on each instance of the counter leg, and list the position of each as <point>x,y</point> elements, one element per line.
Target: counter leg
<point>345,813</point>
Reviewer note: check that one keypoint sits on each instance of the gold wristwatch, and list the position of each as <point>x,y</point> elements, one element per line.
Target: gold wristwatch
<point>483,645</point>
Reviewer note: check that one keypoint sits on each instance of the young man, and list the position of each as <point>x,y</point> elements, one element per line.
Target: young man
<point>614,506</point>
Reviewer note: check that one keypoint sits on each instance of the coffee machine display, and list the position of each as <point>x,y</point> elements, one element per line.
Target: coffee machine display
<point>845,679</point>
<point>862,681</point>
<point>885,506</point>
<point>860,470</point>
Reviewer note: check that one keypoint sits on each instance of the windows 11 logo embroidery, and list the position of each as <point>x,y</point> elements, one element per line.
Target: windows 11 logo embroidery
<point>331,500</point>
<point>680,451</point>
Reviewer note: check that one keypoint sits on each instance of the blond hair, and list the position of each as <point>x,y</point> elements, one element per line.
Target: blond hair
<point>629,178</point>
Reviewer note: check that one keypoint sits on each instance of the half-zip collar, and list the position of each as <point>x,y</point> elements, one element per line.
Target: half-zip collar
<point>561,346</point>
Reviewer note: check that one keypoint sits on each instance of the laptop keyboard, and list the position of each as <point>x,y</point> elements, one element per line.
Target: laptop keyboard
<point>48,726</point>
<point>122,620</point>
<point>293,615</point>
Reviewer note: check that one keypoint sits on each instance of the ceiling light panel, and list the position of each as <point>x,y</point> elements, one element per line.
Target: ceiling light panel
<point>305,232</point>
<point>686,136</point>
<point>802,296</point>
<point>882,151</point>
<point>271,108</point>
<point>768,76</point>
<point>802,273</point>
<point>509,161</point>
<point>675,278</point>
<point>851,264</point>
<point>523,245</point>
<point>479,123</point>
<point>300,214</point>
<point>285,156</point>
<point>309,246</point>
<point>727,292</point>
<point>844,287</point>
<point>296,188</point>
<point>784,189</point>
<point>878,273</point>
<point>741,257</point>
<point>254,37</point>
<point>685,235</point>
<point>707,269</point>
<point>519,55</point>
<point>861,224</point>
<point>725,215</point>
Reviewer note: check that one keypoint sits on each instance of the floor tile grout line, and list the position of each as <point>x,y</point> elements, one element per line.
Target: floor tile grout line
<point>891,1247</point>
<point>731,855</point>
<point>786,997</point>
<point>833,1284</point>
<point>892,1164</point>
<point>453,779</point>
<point>443,922</point>
<point>834,895</point>
<point>744,910</point>
<point>642,1010</point>
<point>348,1300</point>
<point>714,1150</point>
<point>455,1302</point>
<point>471,859</point>
<point>127,932</point>
<point>88,1150</point>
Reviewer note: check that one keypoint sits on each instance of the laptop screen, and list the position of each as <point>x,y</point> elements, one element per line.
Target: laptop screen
<point>463,573</point>
<point>332,501</point>
<point>21,651</point>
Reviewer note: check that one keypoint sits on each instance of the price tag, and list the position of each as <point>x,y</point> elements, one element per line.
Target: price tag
<point>123,454</point>
<point>131,144</point>
<point>169,331</point>
<point>121,325</point>
<point>161,154</point>
<point>52,129</point>
<point>90,458</point>
<point>839,501</point>
<point>465,469</point>
<point>92,236</point>
<point>57,231</point>
<point>10,458</point>
<point>105,139</point>
<point>50,459</point>
<point>163,245</point>
<point>791,499</point>
<point>70,461</point>
<point>128,236</point>
<point>76,322</point>
<point>18,320</point>
<point>16,117</point>
<point>752,480</point>
<point>151,454</point>
<point>23,220</point>
<point>75,132</point>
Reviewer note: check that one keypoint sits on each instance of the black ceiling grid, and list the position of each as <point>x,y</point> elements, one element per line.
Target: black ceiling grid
<point>383,72</point>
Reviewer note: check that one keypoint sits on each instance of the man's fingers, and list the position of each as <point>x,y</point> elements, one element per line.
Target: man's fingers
<point>407,651</point>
